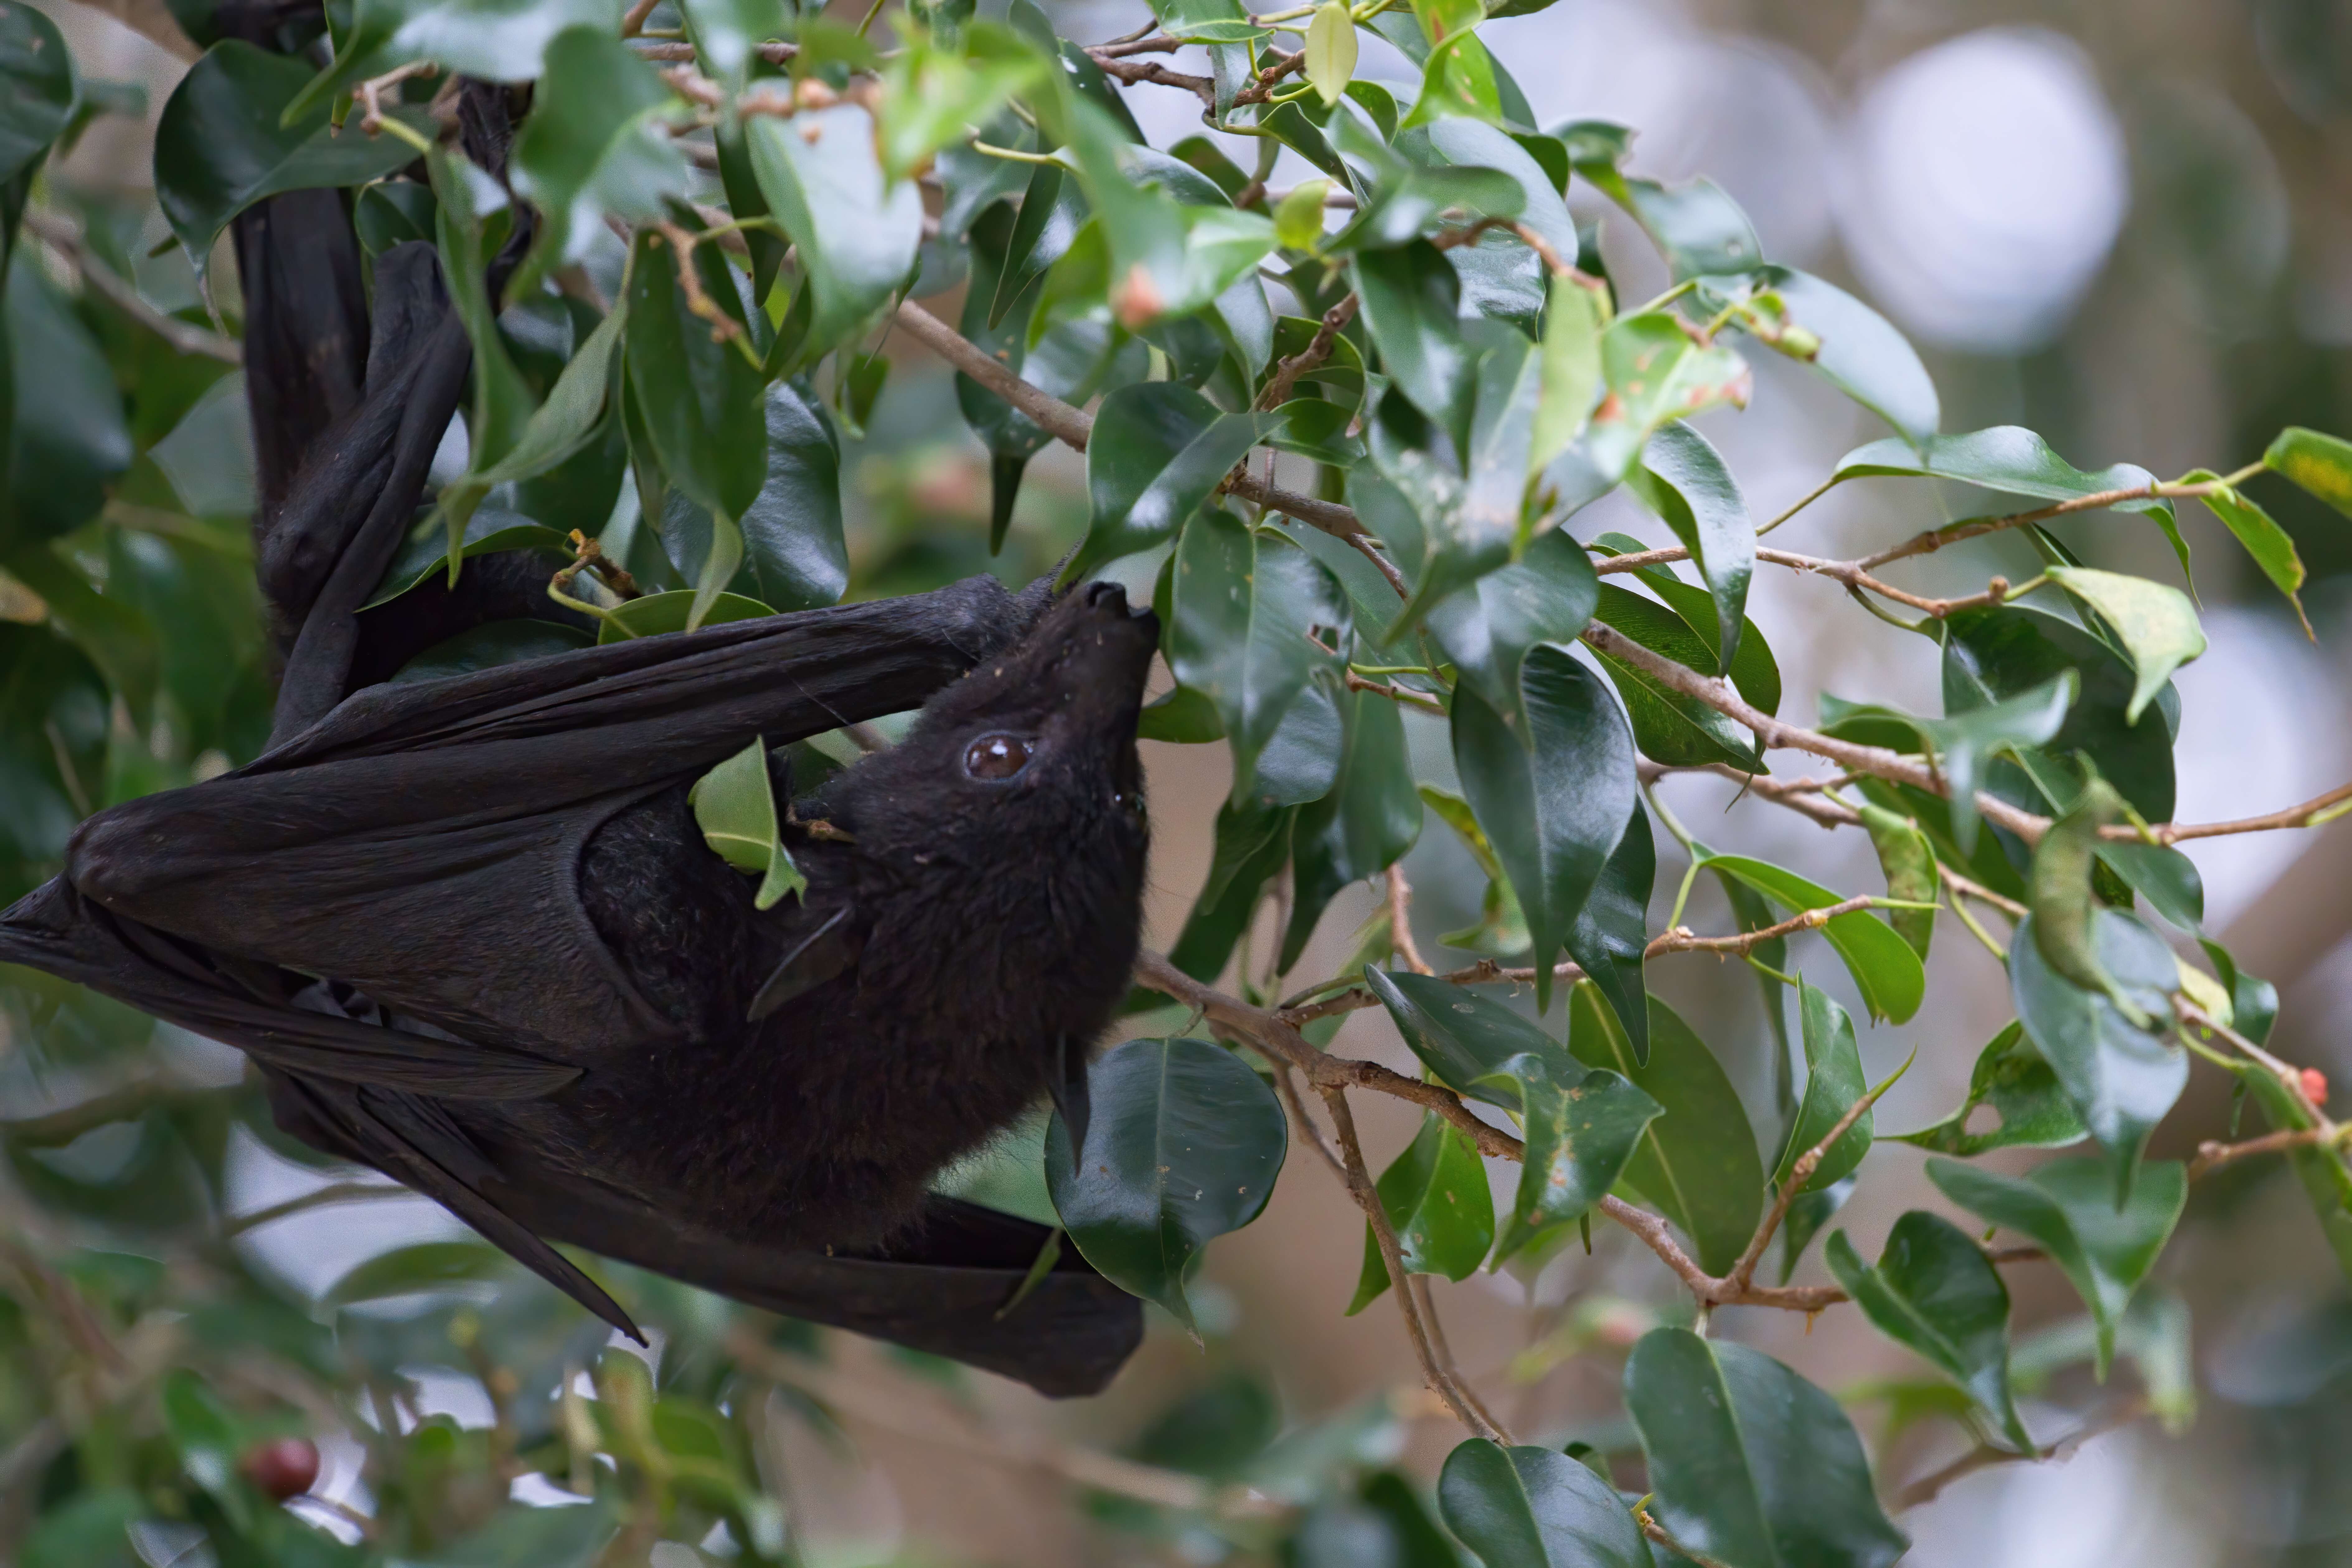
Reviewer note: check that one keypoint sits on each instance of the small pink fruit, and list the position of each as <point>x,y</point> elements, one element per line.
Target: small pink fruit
<point>2314,1085</point>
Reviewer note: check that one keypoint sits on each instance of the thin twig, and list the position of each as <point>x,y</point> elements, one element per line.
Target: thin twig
<point>1927,1488</point>
<point>1744,1270</point>
<point>1319,348</point>
<point>1285,1089</point>
<point>318,1197</point>
<point>65,236</point>
<point>2212,1155</point>
<point>1394,692</point>
<point>1400,923</point>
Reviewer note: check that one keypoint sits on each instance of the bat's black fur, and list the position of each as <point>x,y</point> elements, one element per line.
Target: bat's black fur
<point>547,1003</point>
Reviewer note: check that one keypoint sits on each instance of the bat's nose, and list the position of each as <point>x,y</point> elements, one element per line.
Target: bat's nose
<point>1107,595</point>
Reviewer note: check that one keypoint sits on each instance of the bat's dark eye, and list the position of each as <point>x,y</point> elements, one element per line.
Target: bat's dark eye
<point>996,757</point>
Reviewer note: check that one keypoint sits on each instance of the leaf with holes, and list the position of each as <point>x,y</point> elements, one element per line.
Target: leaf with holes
<point>2025,1093</point>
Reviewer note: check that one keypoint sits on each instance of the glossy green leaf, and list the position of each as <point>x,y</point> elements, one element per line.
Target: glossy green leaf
<point>595,145</point>
<point>1458,78</point>
<point>735,806</point>
<point>1934,1290</point>
<point>2122,1079</point>
<point>1684,480</point>
<point>1167,258</point>
<point>1464,1039</point>
<point>38,93</point>
<point>658,613</point>
<point>930,94</point>
<point>1884,969</point>
<point>1437,1199</point>
<point>856,231</point>
<point>1252,842</point>
<point>1410,301</point>
<point>1998,653</point>
<point>700,399</point>
<point>1486,630</point>
<point>1468,143</point>
<point>466,200</point>
<point>1754,672</point>
<point>1612,933</point>
<point>1833,1081</point>
<point>1256,619</point>
<point>1750,1464</point>
<point>1502,928</point>
<point>2264,540</point>
<point>1553,798</point>
<point>520,1535</point>
<point>576,414</point>
<point>2320,463</point>
<point>1851,345</point>
<point>1580,1132</point>
<point>1571,369</point>
<point>68,440</point>
<point>223,142</point>
<point>726,33</point>
<point>1668,727</point>
<point>1908,862</point>
<point>1183,1145</point>
<point>1696,1163</point>
<point>1525,1506</point>
<point>1963,745</point>
<point>494,40</point>
<point>487,531</point>
<point>1158,451</point>
<point>2168,879</point>
<point>418,1267</point>
<point>2068,1207</point>
<point>2008,458</point>
<point>1330,51</point>
<point>1359,828</point>
<point>1698,228</point>
<point>2157,624</point>
<point>1655,375</point>
<point>1298,216</point>
<point>2030,1105</point>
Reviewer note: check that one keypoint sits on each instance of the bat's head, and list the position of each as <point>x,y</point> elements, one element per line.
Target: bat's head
<point>1039,737</point>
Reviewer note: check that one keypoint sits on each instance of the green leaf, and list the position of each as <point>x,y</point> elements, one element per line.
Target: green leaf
<point>1365,824</point>
<point>2008,458</point>
<point>1696,1163</point>
<point>1331,52</point>
<point>2321,465</point>
<point>1257,621</point>
<point>1252,842</point>
<point>89,1529</point>
<point>1436,1197</point>
<point>701,400</point>
<point>1502,928</point>
<point>1884,969</point>
<point>489,531</point>
<point>1580,1132</point>
<point>54,707</point>
<point>1157,453</point>
<point>856,232</point>
<point>2122,1079</point>
<point>726,33</point>
<point>2061,894</point>
<point>1699,230</point>
<point>595,145</point>
<point>1754,671</point>
<point>1612,935</point>
<point>1465,1040</point>
<point>1856,348</point>
<point>1571,369</point>
<point>658,613</point>
<point>1750,1464</point>
<point>930,94</point>
<point>2157,624</point>
<point>1410,301</point>
<point>1833,1081</point>
<point>415,1270</point>
<point>2024,1092</point>
<point>1298,218</point>
<point>573,418</point>
<point>1668,727</point>
<point>38,93</point>
<point>1908,861</point>
<point>1998,653</point>
<point>2263,540</point>
<point>465,201</point>
<point>1553,798</point>
<point>1934,1292</point>
<point>1963,745</point>
<point>1536,1508</point>
<point>735,806</point>
<point>68,440</point>
<point>2161,874</point>
<point>494,40</point>
<point>1486,630</point>
<point>1167,258</point>
<point>1468,144</point>
<point>1458,78</point>
<point>1655,375</point>
<point>2068,1207</point>
<point>522,1535</point>
<point>227,139</point>
<point>1684,480</point>
<point>1183,1145</point>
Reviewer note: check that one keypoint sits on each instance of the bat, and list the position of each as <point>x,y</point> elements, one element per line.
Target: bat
<point>469,932</point>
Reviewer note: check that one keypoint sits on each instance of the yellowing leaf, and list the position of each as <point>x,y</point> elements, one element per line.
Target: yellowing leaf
<point>1331,50</point>
<point>736,810</point>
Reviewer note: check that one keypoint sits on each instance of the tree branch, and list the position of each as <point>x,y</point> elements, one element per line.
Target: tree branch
<point>62,235</point>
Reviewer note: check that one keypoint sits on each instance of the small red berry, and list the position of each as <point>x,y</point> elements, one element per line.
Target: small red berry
<point>282,1467</point>
<point>2314,1085</point>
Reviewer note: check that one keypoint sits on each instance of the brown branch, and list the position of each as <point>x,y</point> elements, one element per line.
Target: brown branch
<point>2212,1155</point>
<point>1131,71</point>
<point>1799,795</point>
<point>669,50</point>
<point>1397,694</point>
<point>318,1197</point>
<point>633,21</point>
<point>64,236</point>
<point>1937,538</point>
<point>1400,923</point>
<point>1368,1199</point>
<point>1744,1270</point>
<point>1285,1089</point>
<point>1319,348</point>
<point>1970,888</point>
<point>1927,1487</point>
<point>2318,811</point>
<point>1073,426</point>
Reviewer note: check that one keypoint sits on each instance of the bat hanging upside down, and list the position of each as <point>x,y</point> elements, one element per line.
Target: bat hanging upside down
<point>471,934</point>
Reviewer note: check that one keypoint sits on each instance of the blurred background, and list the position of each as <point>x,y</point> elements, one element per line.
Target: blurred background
<point>2127,223</point>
